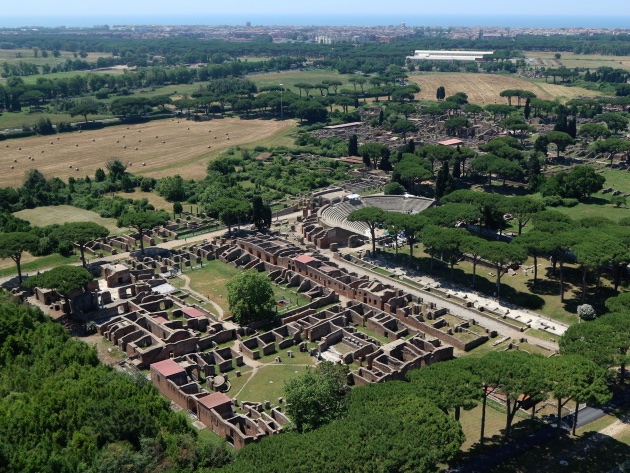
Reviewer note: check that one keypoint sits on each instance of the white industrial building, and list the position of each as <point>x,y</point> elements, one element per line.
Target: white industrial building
<point>429,55</point>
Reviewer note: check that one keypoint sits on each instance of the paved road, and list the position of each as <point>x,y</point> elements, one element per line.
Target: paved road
<point>454,308</point>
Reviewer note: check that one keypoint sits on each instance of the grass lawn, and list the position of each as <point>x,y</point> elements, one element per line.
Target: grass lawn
<point>212,279</point>
<point>15,56</point>
<point>43,216</point>
<point>267,384</point>
<point>35,263</point>
<point>587,61</point>
<point>26,117</point>
<point>154,199</point>
<point>471,424</point>
<point>289,78</point>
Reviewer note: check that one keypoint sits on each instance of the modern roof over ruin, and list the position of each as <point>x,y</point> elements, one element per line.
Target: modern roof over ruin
<point>215,400</point>
<point>167,368</point>
<point>304,259</point>
<point>193,312</point>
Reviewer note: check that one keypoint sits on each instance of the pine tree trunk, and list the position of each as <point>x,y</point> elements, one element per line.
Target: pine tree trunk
<point>575,417</point>
<point>483,417</point>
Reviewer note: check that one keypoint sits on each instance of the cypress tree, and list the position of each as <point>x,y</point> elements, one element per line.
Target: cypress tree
<point>353,146</point>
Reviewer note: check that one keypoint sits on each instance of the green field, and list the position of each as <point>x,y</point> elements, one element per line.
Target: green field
<point>289,78</point>
<point>44,216</point>
<point>30,263</point>
<point>267,383</point>
<point>212,280</point>
<point>571,60</point>
<point>11,56</point>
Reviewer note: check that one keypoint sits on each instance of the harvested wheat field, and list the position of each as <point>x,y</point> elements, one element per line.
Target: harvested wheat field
<point>157,149</point>
<point>484,89</point>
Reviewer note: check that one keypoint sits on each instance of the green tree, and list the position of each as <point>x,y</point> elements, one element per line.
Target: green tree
<point>373,152</point>
<point>80,233</point>
<point>178,208</point>
<point>502,255</point>
<point>536,244</point>
<point>474,248</point>
<point>316,397</point>
<point>614,121</point>
<point>66,280</point>
<point>560,139</point>
<point>523,209</point>
<point>371,216</point>
<point>261,213</point>
<point>394,188</point>
<point>251,297</point>
<point>574,378</point>
<point>520,378</point>
<point>229,210</point>
<point>353,146</point>
<point>14,244</point>
<point>85,108</point>
<point>143,221</point>
<point>449,385</point>
<point>403,127</point>
<point>594,131</point>
<point>597,342</point>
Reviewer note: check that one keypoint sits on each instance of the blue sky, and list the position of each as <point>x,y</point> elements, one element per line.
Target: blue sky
<point>73,8</point>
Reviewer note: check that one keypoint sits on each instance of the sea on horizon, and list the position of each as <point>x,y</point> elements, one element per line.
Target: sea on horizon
<point>412,20</point>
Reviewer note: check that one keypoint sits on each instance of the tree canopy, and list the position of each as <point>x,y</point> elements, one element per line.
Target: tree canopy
<point>13,244</point>
<point>251,297</point>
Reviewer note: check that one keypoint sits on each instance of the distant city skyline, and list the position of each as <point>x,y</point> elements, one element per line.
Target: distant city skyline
<point>558,13</point>
<point>322,7</point>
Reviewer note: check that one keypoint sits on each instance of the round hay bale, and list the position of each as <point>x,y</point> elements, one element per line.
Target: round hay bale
<point>163,142</point>
<point>12,167</point>
<point>139,131</point>
<point>76,169</point>
<point>139,141</point>
<point>156,136</point>
<point>42,151</point>
<point>188,128</point>
<point>117,141</point>
<point>15,160</point>
<point>123,136</point>
<point>130,163</point>
<point>76,144</point>
<point>125,147</point>
<point>136,148</point>
<point>19,149</point>
<point>127,128</point>
<point>208,146</point>
<point>143,164</point>
<point>70,167</point>
<point>52,142</point>
<point>57,138</point>
<point>80,131</point>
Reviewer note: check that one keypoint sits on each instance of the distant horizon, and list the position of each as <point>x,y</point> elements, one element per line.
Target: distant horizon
<point>368,20</point>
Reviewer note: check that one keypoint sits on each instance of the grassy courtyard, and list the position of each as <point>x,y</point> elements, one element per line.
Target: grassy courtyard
<point>211,281</point>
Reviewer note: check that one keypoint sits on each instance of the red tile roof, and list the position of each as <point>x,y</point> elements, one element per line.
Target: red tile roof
<point>305,259</point>
<point>215,400</point>
<point>160,319</point>
<point>192,312</point>
<point>451,142</point>
<point>167,368</point>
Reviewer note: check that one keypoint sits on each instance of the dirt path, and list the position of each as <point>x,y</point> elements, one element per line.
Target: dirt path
<point>187,287</point>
